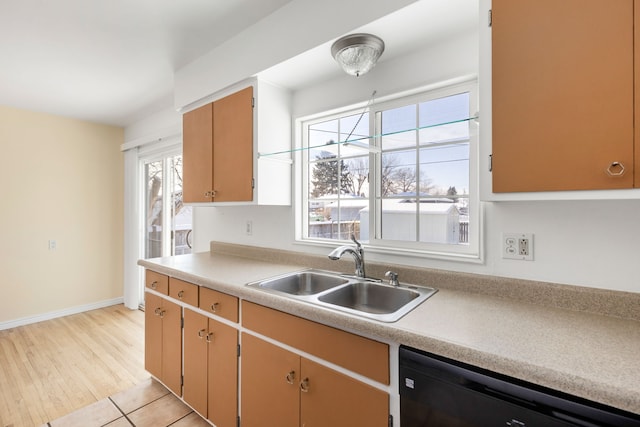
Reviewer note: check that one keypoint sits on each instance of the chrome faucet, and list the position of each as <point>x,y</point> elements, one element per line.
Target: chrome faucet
<point>357,252</point>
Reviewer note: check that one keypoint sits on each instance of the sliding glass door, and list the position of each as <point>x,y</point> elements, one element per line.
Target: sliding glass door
<point>167,221</point>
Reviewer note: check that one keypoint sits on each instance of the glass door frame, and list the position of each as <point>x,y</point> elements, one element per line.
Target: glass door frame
<point>149,154</point>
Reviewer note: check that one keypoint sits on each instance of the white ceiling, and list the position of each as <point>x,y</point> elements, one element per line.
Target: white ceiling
<point>109,61</point>
<point>113,61</point>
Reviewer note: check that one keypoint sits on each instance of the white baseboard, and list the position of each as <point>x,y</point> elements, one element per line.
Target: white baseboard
<point>59,313</point>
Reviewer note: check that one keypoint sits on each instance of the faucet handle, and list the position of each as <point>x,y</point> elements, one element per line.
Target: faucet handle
<point>393,278</point>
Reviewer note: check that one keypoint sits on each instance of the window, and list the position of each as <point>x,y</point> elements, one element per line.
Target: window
<point>397,174</point>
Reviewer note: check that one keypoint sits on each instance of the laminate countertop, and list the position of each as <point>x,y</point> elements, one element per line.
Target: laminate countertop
<point>579,341</point>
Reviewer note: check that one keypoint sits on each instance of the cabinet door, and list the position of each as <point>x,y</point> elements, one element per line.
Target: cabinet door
<point>219,303</point>
<point>156,281</point>
<point>222,375</point>
<point>562,82</point>
<point>172,346</point>
<point>269,383</point>
<point>153,335</point>
<point>195,361</point>
<point>233,147</point>
<point>163,341</point>
<point>636,45</point>
<point>183,291</point>
<point>329,398</point>
<point>197,154</point>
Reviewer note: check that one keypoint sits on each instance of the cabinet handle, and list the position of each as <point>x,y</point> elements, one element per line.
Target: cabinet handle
<point>159,312</point>
<point>290,377</point>
<point>304,385</point>
<point>201,333</point>
<point>209,337</point>
<point>615,169</point>
<point>215,306</point>
<point>180,294</point>
<point>154,284</point>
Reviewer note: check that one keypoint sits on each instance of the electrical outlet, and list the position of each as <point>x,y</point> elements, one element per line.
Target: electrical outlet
<point>517,246</point>
<point>249,228</point>
<point>53,245</point>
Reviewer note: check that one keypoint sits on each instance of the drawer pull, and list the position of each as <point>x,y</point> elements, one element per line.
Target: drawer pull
<point>290,377</point>
<point>215,306</point>
<point>304,385</point>
<point>201,333</point>
<point>154,284</point>
<point>180,294</point>
<point>615,169</point>
<point>159,312</point>
<point>209,337</point>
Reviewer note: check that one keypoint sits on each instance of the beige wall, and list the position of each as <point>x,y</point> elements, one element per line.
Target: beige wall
<point>61,179</point>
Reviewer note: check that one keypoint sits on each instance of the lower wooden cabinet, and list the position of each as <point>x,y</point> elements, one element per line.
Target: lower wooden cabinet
<point>211,368</point>
<point>163,341</point>
<point>195,354</point>
<point>285,389</point>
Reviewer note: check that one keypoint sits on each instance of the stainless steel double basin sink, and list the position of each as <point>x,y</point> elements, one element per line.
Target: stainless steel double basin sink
<point>370,298</point>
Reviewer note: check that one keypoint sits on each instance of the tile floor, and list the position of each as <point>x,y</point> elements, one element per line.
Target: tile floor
<point>147,404</point>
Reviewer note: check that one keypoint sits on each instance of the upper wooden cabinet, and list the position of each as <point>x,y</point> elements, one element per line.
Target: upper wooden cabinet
<point>563,95</point>
<point>227,145</point>
<point>218,150</point>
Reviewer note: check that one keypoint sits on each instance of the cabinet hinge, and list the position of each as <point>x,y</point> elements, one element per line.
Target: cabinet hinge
<point>182,380</point>
<point>238,350</point>
<point>253,102</point>
<point>490,162</point>
<point>238,421</point>
<point>390,420</point>
<point>182,322</point>
<point>490,18</point>
<point>253,183</point>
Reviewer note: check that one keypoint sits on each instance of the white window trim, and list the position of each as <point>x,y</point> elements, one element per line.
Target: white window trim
<point>473,252</point>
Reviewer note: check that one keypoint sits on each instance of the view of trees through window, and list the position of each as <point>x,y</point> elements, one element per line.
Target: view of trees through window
<point>165,236</point>
<point>417,176</point>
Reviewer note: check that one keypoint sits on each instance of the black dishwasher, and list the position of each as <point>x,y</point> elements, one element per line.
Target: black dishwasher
<point>435,391</point>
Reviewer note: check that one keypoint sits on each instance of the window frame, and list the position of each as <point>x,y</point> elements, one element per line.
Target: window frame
<point>470,252</point>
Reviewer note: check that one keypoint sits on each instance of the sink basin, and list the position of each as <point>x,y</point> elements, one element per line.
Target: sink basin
<point>370,298</point>
<point>308,282</point>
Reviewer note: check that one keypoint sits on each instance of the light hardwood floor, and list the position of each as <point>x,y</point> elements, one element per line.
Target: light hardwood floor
<point>52,368</point>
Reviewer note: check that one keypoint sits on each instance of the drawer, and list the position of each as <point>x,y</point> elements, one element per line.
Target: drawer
<point>358,354</point>
<point>183,291</point>
<point>157,282</point>
<point>219,303</point>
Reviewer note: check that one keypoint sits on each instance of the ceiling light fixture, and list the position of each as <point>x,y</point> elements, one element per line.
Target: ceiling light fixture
<point>357,53</point>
